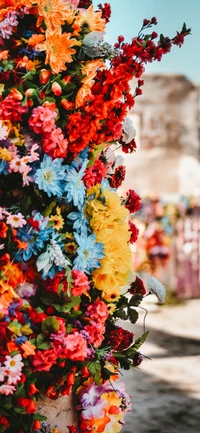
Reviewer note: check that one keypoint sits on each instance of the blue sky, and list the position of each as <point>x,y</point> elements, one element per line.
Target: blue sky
<point>127,16</point>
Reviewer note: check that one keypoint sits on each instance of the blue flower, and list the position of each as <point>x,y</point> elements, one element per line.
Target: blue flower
<point>3,166</point>
<point>35,241</point>
<point>49,177</point>
<point>80,222</point>
<point>75,187</point>
<point>89,253</point>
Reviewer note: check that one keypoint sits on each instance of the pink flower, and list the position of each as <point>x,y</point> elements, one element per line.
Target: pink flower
<point>80,284</point>
<point>16,220</point>
<point>96,333</point>
<point>75,347</point>
<point>42,120</point>
<point>97,311</point>
<point>54,144</point>
<point>7,389</point>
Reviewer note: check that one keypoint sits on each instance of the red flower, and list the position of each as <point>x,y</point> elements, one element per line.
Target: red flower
<point>129,147</point>
<point>137,287</point>
<point>32,389</point>
<point>12,110</point>
<point>4,422</point>
<point>134,232</point>
<point>118,177</point>
<point>44,359</point>
<point>28,403</point>
<point>3,327</point>
<point>120,339</point>
<point>94,174</point>
<point>106,11</point>
<point>80,283</point>
<point>133,201</point>
<point>36,425</point>
<point>3,230</point>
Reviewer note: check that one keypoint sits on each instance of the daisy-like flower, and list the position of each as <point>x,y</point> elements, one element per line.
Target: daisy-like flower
<point>154,286</point>
<point>7,389</point>
<point>54,12</point>
<point>89,253</point>
<point>59,50</point>
<point>93,19</point>
<point>16,220</point>
<point>13,363</point>
<point>49,177</point>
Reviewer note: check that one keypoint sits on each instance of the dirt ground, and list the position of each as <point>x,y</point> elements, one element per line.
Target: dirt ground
<point>165,390</point>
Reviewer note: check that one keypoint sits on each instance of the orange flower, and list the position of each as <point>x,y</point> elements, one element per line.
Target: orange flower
<point>4,54</point>
<point>54,12</point>
<point>58,50</point>
<point>93,19</point>
<point>28,348</point>
<point>89,70</point>
<point>35,39</point>
<point>11,346</point>
<point>27,64</point>
<point>8,5</point>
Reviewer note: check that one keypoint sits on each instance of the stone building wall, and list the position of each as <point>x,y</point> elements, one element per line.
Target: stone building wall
<point>166,118</point>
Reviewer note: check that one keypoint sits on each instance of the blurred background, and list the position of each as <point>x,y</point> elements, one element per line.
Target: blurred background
<point>165,171</point>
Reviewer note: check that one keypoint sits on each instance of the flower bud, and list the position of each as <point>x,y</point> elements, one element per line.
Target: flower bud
<point>29,92</point>
<point>44,76</point>
<point>56,88</point>
<point>16,94</point>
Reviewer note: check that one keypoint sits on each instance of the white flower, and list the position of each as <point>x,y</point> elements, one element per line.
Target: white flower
<point>25,290</point>
<point>16,220</point>
<point>3,131</point>
<point>129,131</point>
<point>2,374</point>
<point>93,38</point>
<point>154,286</point>
<point>14,363</point>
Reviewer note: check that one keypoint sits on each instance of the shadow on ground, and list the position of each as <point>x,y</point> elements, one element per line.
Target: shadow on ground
<point>164,399</point>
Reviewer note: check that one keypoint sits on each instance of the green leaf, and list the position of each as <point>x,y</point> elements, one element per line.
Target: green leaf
<point>133,315</point>
<point>50,325</point>
<point>65,308</point>
<point>39,417</point>
<point>20,392</point>
<point>121,314</point>
<point>70,280</point>
<point>42,342</point>
<point>135,300</point>
<point>140,340</point>
<point>95,369</point>
<point>21,410</point>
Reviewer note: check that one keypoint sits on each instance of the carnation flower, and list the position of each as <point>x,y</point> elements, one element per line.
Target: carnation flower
<point>75,347</point>
<point>42,120</point>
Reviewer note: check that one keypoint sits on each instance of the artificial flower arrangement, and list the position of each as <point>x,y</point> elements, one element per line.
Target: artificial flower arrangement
<point>157,221</point>
<point>66,263</point>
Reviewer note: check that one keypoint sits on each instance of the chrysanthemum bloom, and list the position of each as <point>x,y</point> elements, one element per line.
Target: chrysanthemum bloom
<point>54,12</point>
<point>59,50</point>
<point>93,19</point>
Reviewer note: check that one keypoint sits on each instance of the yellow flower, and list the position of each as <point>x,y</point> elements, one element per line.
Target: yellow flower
<point>57,219</point>
<point>5,154</point>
